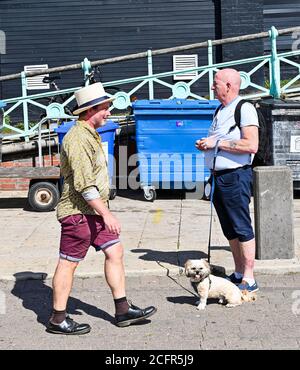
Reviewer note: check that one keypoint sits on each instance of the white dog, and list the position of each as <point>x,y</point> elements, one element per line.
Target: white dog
<point>210,286</point>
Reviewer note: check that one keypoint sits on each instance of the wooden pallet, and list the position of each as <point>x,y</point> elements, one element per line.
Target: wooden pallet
<point>30,172</point>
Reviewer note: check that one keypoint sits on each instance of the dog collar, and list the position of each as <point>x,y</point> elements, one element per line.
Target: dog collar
<point>194,284</point>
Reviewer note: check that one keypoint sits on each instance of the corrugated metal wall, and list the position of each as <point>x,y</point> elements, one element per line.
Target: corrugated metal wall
<point>281,14</point>
<point>64,32</point>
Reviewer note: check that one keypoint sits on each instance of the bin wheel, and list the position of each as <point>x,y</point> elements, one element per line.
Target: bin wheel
<point>112,194</point>
<point>207,191</point>
<point>43,196</point>
<point>150,196</point>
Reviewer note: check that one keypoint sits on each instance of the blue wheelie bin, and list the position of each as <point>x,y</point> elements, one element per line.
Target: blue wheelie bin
<point>107,133</point>
<point>166,131</point>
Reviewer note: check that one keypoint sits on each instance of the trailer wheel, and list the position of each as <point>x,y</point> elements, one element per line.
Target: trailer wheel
<point>43,196</point>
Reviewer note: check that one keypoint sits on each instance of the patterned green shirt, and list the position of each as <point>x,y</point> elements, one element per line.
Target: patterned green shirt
<point>83,166</point>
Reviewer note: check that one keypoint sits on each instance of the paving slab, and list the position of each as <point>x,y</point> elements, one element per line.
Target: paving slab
<point>157,237</point>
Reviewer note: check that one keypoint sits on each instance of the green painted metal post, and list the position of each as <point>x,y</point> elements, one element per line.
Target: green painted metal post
<point>210,71</point>
<point>275,90</point>
<point>25,106</point>
<point>86,66</point>
<point>150,73</point>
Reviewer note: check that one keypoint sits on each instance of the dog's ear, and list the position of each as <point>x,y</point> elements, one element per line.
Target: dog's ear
<point>207,265</point>
<point>187,267</point>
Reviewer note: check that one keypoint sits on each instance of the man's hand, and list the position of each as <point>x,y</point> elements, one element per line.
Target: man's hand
<point>206,143</point>
<point>112,223</point>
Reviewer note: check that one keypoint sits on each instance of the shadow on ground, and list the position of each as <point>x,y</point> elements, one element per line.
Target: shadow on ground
<point>173,258</point>
<point>36,296</point>
<point>10,203</point>
<point>161,194</point>
<point>190,300</point>
<point>170,194</point>
<point>14,203</point>
<point>176,258</point>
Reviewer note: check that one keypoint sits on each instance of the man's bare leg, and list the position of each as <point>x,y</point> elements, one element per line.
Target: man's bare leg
<point>248,256</point>
<point>115,277</point>
<point>114,270</point>
<point>62,283</point>
<point>237,255</point>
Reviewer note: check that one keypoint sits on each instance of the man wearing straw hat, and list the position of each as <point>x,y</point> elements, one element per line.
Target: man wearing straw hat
<point>84,215</point>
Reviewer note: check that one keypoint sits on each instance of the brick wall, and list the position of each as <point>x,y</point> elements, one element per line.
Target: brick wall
<point>22,183</point>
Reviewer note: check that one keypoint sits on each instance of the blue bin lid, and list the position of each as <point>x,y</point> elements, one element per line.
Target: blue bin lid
<point>65,127</point>
<point>109,126</point>
<point>175,104</point>
<point>2,104</point>
<point>183,106</point>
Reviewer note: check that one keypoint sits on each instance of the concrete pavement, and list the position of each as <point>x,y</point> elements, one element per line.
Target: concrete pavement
<point>271,322</point>
<point>157,236</point>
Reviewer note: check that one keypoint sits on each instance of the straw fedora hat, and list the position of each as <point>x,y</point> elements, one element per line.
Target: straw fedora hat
<point>89,96</point>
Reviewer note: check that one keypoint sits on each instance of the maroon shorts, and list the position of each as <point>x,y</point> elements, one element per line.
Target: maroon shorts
<point>79,231</point>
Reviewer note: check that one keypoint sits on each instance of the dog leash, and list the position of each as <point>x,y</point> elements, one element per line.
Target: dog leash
<point>178,242</point>
<point>175,280</point>
<point>212,198</point>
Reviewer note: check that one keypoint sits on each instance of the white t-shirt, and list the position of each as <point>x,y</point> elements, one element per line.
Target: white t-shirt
<point>220,126</point>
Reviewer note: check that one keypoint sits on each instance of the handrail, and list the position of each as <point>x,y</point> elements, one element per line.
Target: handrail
<point>228,40</point>
<point>180,90</point>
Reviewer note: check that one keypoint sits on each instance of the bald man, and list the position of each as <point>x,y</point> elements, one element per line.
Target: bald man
<point>233,173</point>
